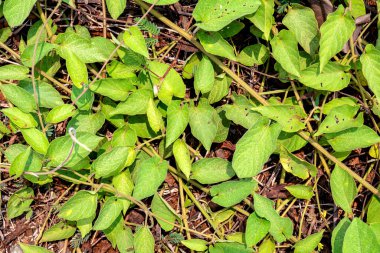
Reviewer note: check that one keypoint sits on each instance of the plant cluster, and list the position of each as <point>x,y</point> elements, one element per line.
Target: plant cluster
<point>131,118</point>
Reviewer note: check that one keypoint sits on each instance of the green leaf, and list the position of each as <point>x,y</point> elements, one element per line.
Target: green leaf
<point>60,147</point>
<point>81,206</point>
<point>42,50</point>
<point>60,113</point>
<point>136,103</point>
<point>288,116</point>
<point>48,97</point>
<point>19,118</point>
<point>110,163</point>
<point>201,120</point>
<point>20,163</point>
<point>182,157</point>
<point>13,72</point>
<point>116,89</point>
<point>87,122</point>
<point>168,82</point>
<point>280,228</point>
<point>357,7</point>
<point>335,32</point>
<point>144,241</point>
<point>341,118</point>
<point>232,29</point>
<point>161,2</point>
<point>222,125</point>
<point>85,225</point>
<point>177,120</point>
<point>19,97</point>
<point>161,209</point>
<point>124,137</point>
<point>338,235</point>
<point>296,166</point>
<point>20,202</point>
<point>214,15</point>
<point>254,148</point>
<point>86,100</point>
<point>257,228</point>
<point>240,112</point>
<point>373,212</point>
<point>123,184</point>
<point>220,89</point>
<point>214,43</point>
<point>36,138</point>
<point>371,68</point>
<point>308,244</point>
<point>253,55</point>
<point>149,176</point>
<point>195,244</point>
<point>229,247</point>
<point>88,50</point>
<point>77,70</point>
<point>120,235</point>
<point>108,214</point>
<point>352,138</point>
<point>57,232</point>
<point>359,238</point>
<point>108,106</point>
<point>333,77</point>
<point>302,22</point>
<point>190,66</point>
<point>5,33</point>
<point>267,246</point>
<point>204,76</point>
<point>140,124</point>
<point>300,191</point>
<point>285,51</point>
<point>16,11</point>
<point>32,249</point>
<point>116,7</point>
<point>154,117</point>
<point>263,17</point>
<point>343,189</point>
<point>212,170</point>
<point>134,39</point>
<point>232,192</point>
<point>336,102</point>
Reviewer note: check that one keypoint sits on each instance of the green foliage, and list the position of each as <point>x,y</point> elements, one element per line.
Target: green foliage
<point>114,117</point>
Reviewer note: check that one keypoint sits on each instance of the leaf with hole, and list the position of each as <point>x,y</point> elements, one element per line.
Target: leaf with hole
<point>333,78</point>
<point>296,166</point>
